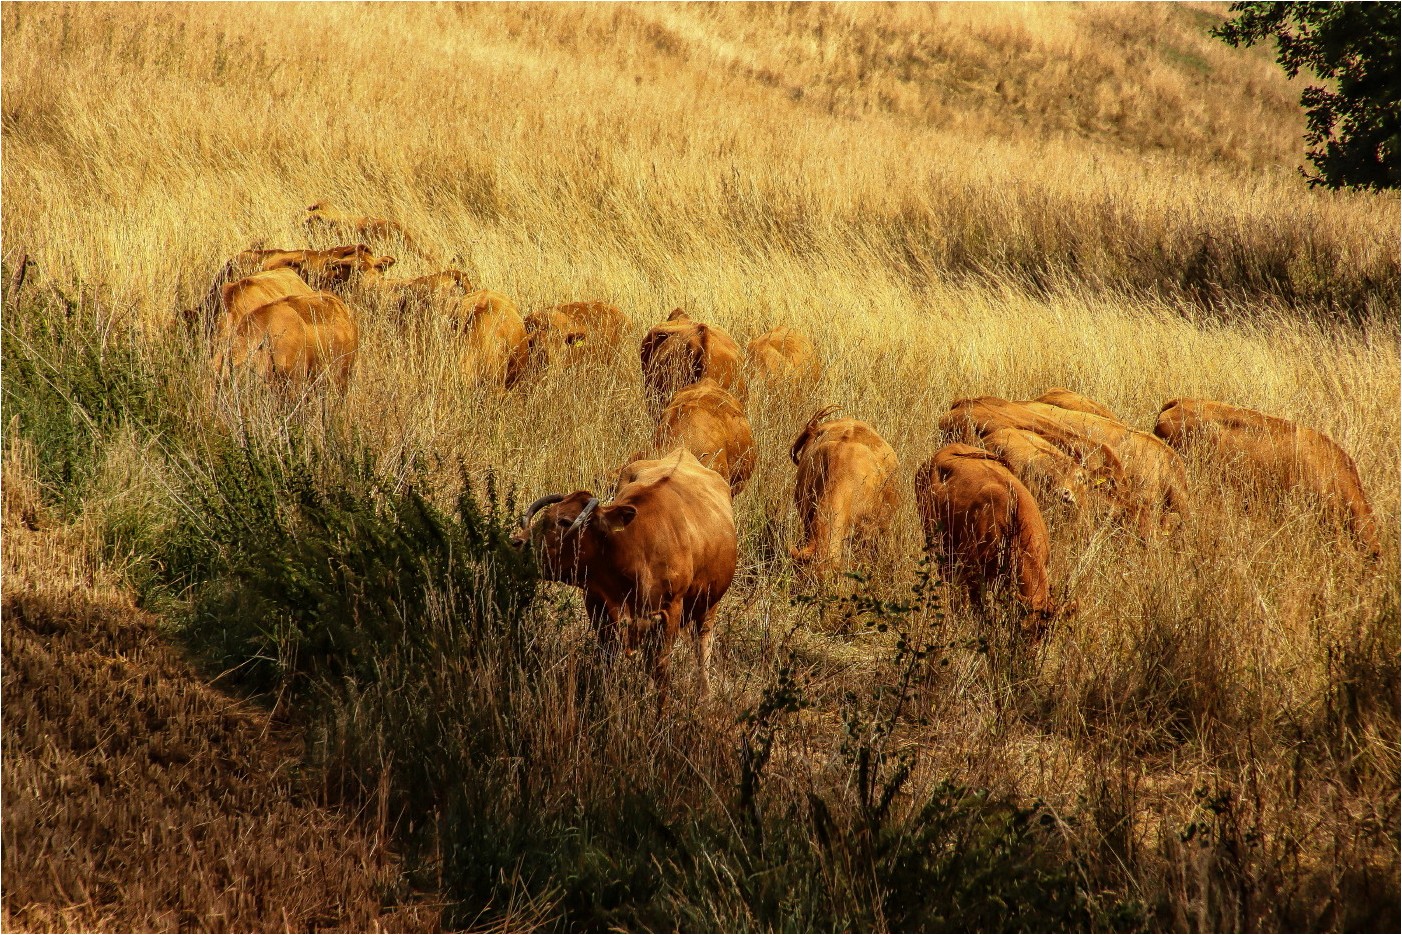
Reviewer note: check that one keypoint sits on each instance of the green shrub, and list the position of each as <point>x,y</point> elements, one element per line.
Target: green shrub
<point>302,562</point>
<point>71,379</point>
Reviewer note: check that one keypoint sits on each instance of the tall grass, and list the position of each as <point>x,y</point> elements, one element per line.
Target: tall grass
<point>1213,740</point>
<point>635,158</point>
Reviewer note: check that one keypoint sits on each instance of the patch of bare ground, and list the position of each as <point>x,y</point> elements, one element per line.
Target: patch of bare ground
<point>139,798</point>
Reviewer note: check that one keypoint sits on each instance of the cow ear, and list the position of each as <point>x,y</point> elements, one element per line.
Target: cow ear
<point>676,314</point>
<point>616,518</point>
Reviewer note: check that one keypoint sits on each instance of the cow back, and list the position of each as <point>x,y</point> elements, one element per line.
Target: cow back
<point>496,349</point>
<point>243,296</point>
<point>680,351</point>
<point>783,353</point>
<point>1074,402</point>
<point>710,423</point>
<point>683,539</point>
<point>1272,453</point>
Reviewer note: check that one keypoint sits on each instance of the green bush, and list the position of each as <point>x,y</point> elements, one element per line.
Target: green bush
<point>71,379</point>
<point>303,563</point>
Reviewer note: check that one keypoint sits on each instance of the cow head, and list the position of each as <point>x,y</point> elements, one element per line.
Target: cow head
<point>566,532</point>
<point>1037,623</point>
<point>1074,489</point>
<point>321,216</point>
<point>347,262</point>
<point>673,355</point>
<point>544,329</point>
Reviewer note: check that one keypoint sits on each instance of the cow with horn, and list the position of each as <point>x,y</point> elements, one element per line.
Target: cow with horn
<point>655,559</point>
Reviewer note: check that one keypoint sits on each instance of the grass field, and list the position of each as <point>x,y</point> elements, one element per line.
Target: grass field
<point>951,200</point>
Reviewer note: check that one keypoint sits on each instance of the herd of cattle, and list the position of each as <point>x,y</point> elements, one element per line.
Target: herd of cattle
<point>657,557</point>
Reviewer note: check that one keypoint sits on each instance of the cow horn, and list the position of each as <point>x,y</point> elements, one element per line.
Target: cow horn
<point>540,504</point>
<point>583,516</point>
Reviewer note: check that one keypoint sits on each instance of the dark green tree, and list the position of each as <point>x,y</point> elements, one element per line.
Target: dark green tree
<point>1352,130</point>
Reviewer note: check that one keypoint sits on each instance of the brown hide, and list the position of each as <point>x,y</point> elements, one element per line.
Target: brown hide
<point>1156,474</point>
<point>711,424</point>
<point>322,269</point>
<point>783,355</point>
<point>1273,454</point>
<point>550,335</point>
<point>240,298</point>
<point>680,351</point>
<point>972,419</point>
<point>495,349</point>
<point>1044,469</point>
<point>1075,402</point>
<point>603,324</point>
<point>436,292</point>
<point>323,216</point>
<point>845,489</point>
<point>326,269</point>
<point>983,525</point>
<point>294,340</point>
<point>656,559</point>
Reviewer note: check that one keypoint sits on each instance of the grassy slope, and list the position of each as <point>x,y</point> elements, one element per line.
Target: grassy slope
<point>951,200</point>
<point>139,797</point>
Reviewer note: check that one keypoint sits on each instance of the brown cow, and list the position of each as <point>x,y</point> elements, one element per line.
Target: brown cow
<point>783,354</point>
<point>325,216</point>
<point>983,525</point>
<point>293,340</point>
<point>656,558</point>
<point>1134,500</point>
<point>435,292</point>
<point>1273,454</point>
<point>495,347</point>
<point>711,424</point>
<point>845,491</point>
<point>1156,474</point>
<point>680,351</point>
<point>603,324</point>
<point>324,269</point>
<point>1075,402</point>
<point>241,297</point>
<point>1043,468</point>
<point>549,334</point>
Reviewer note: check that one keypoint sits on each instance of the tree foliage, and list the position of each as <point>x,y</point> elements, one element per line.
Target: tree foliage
<point>1352,130</point>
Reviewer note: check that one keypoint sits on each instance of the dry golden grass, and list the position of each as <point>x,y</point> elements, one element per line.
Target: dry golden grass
<point>950,200</point>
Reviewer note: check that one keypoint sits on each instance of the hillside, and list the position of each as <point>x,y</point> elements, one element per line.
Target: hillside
<point>139,797</point>
<point>952,200</point>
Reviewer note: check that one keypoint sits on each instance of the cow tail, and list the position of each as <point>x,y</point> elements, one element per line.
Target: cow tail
<point>814,421</point>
